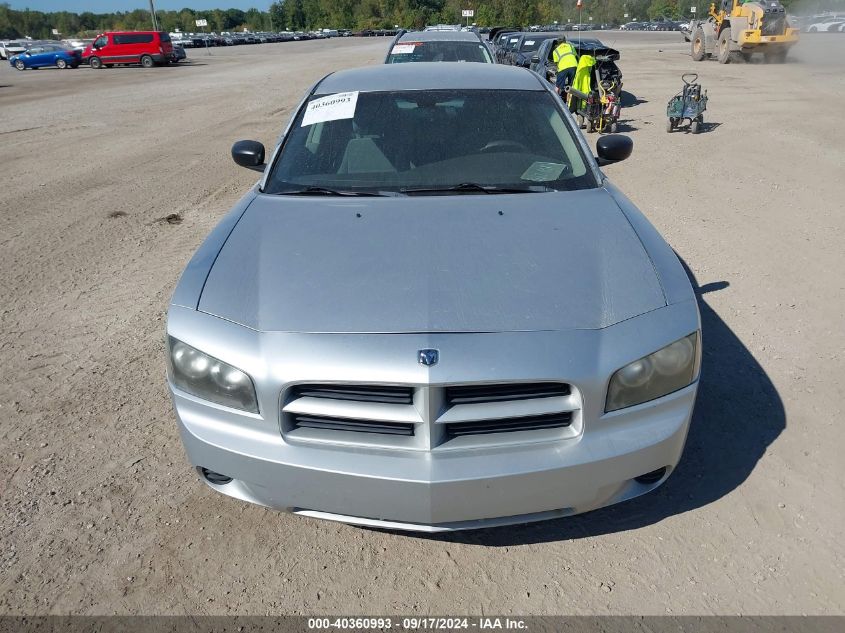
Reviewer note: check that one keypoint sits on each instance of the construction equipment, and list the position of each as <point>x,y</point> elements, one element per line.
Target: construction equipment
<point>740,28</point>
<point>688,105</point>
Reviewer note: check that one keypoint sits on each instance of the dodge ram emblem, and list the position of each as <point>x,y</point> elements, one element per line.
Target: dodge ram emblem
<point>429,357</point>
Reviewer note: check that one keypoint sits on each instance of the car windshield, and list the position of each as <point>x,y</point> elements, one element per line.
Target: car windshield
<point>439,52</point>
<point>479,141</point>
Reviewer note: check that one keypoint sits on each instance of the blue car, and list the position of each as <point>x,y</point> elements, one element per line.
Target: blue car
<point>46,55</point>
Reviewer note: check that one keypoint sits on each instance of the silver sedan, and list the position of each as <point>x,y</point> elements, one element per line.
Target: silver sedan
<point>433,312</point>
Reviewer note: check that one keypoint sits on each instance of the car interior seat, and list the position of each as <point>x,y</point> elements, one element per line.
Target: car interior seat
<point>363,156</point>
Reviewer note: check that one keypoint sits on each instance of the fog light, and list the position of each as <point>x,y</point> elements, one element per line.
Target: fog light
<point>651,478</point>
<point>215,478</point>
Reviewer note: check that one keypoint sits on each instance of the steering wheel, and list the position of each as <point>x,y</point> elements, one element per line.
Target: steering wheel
<point>502,146</point>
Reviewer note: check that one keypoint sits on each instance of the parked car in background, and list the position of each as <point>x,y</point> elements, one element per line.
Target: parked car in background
<point>147,48</point>
<point>438,46</point>
<point>498,37</point>
<point>178,54</point>
<point>542,62</point>
<point>506,47</point>
<point>11,48</point>
<point>827,26</point>
<point>77,44</point>
<point>527,46</point>
<point>443,27</point>
<point>46,55</point>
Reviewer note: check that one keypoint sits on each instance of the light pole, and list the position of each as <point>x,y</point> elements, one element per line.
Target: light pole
<point>153,14</point>
<point>580,6</point>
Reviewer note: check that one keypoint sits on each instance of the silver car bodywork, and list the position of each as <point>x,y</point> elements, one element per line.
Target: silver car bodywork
<point>311,295</point>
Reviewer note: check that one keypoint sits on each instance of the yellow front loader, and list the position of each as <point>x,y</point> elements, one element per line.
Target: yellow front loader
<point>740,29</point>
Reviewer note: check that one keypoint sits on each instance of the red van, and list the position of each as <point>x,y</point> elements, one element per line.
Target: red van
<point>147,48</point>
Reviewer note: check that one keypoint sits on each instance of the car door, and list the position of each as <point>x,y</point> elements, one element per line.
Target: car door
<point>537,66</point>
<point>51,55</point>
<point>103,47</point>
<point>36,57</point>
<point>547,68</point>
<point>125,48</point>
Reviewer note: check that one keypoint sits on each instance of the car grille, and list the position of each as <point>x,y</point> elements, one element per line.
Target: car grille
<point>345,424</point>
<point>431,417</point>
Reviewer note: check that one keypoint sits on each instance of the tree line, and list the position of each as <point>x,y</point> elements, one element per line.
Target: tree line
<point>40,25</point>
<point>363,14</point>
<point>298,15</point>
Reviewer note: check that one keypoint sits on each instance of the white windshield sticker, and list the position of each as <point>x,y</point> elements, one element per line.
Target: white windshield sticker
<point>528,42</point>
<point>332,108</point>
<point>403,49</point>
<point>543,172</point>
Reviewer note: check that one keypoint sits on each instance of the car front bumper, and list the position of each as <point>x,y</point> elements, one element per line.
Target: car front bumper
<point>442,492</point>
<point>441,488</point>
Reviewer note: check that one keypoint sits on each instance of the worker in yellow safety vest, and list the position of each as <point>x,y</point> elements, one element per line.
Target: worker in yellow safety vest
<point>583,81</point>
<point>567,61</point>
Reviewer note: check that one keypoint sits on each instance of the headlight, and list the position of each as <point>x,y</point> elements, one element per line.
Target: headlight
<point>206,377</point>
<point>666,370</point>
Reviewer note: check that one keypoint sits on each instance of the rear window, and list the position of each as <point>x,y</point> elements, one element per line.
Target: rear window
<point>133,38</point>
<point>529,45</point>
<point>439,52</point>
<point>164,37</point>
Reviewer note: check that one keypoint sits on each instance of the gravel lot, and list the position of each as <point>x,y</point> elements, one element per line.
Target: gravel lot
<point>112,178</point>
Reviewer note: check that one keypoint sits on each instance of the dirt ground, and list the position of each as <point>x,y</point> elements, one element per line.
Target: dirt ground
<point>101,512</point>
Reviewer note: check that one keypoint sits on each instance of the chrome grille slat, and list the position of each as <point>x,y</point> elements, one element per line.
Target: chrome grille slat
<point>387,394</point>
<point>360,426</point>
<point>474,394</point>
<point>506,409</point>
<point>505,425</point>
<point>364,410</point>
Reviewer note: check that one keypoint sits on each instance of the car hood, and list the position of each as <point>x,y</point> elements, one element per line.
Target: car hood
<point>470,263</point>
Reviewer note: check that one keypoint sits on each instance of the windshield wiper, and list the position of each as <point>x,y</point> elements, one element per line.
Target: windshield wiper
<point>325,191</point>
<point>470,187</point>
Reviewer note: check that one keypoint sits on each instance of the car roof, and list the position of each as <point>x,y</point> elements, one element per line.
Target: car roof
<point>429,76</point>
<point>439,36</point>
<point>539,35</point>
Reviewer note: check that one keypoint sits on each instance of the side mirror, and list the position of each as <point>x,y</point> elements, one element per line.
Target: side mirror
<point>613,148</point>
<point>535,59</point>
<point>250,154</point>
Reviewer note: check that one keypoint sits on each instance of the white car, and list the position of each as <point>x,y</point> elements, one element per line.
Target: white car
<point>826,27</point>
<point>77,44</point>
<point>11,48</point>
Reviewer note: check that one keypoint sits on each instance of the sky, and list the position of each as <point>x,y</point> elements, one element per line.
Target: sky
<point>107,6</point>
